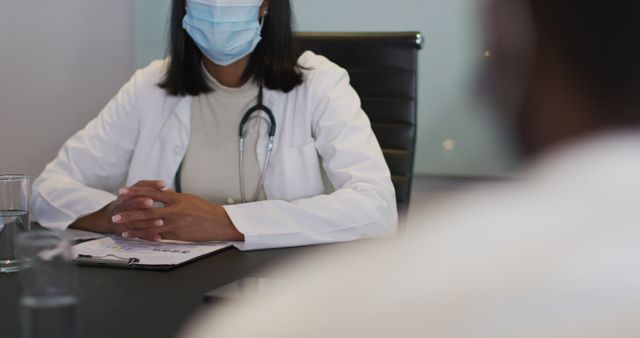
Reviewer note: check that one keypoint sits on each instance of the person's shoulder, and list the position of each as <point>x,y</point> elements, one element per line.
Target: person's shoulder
<point>144,89</point>
<point>310,60</point>
<point>314,67</point>
<point>148,77</point>
<point>319,72</point>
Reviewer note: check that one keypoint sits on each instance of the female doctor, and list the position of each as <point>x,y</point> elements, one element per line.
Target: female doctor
<point>231,138</point>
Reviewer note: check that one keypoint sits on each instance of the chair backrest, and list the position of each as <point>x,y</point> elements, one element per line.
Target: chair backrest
<point>383,70</point>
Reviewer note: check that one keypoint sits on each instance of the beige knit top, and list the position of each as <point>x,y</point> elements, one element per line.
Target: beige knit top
<point>211,165</point>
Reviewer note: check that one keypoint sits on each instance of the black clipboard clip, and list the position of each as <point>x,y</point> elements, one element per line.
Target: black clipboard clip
<point>103,260</point>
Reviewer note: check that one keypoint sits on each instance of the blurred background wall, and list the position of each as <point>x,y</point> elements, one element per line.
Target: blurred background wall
<point>60,63</point>
<point>60,69</point>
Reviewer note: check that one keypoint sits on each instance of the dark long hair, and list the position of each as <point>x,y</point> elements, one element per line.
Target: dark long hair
<point>273,63</point>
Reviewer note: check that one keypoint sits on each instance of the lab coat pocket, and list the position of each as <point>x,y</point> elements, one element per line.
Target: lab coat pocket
<point>300,174</point>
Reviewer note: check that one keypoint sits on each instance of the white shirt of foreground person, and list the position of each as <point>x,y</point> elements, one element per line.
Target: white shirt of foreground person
<point>143,134</point>
<point>554,255</point>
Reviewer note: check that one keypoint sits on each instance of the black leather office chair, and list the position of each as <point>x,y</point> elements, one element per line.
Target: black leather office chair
<point>383,70</point>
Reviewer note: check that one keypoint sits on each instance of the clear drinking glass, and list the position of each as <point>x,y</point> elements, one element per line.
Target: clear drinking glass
<point>48,301</point>
<point>14,218</point>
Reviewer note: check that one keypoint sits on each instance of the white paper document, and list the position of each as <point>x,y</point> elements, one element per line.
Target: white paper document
<point>134,252</point>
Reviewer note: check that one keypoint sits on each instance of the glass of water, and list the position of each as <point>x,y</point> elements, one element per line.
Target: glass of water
<point>48,301</point>
<point>14,218</point>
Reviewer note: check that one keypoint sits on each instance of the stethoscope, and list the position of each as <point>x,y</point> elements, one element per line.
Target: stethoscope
<point>243,134</point>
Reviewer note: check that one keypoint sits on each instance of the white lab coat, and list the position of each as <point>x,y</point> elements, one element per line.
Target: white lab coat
<point>553,254</point>
<point>143,134</point>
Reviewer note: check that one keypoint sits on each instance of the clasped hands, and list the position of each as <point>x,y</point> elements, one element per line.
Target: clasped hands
<point>183,217</point>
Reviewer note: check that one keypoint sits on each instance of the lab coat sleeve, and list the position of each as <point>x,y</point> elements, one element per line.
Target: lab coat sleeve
<point>363,204</point>
<point>90,165</point>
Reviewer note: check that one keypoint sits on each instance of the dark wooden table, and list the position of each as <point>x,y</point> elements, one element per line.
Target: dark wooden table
<point>138,304</point>
<point>134,303</point>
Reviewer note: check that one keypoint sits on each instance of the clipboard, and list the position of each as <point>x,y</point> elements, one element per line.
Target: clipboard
<point>116,252</point>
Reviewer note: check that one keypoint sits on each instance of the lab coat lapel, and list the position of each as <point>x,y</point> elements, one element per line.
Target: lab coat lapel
<point>170,146</point>
<point>183,112</point>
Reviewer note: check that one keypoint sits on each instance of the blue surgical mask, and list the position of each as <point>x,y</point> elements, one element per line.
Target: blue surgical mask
<point>224,30</point>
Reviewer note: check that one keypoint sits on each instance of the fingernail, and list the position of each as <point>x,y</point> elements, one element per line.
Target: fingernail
<point>158,223</point>
<point>116,218</point>
<point>161,184</point>
<point>123,191</point>
<point>157,239</point>
<point>126,235</point>
<point>148,203</point>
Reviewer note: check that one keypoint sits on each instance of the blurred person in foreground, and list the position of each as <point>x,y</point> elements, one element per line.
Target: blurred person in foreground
<point>555,253</point>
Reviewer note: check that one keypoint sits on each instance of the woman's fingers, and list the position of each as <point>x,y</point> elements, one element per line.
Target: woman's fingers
<point>142,225</point>
<point>166,197</point>
<point>134,204</point>
<point>126,217</point>
<point>121,228</point>
<point>150,184</point>
<point>131,199</point>
<point>157,185</point>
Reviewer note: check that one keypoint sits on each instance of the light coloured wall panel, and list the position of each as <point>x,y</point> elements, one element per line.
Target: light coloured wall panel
<point>60,63</point>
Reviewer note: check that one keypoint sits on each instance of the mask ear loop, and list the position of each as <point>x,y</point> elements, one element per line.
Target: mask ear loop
<point>264,15</point>
<point>265,12</point>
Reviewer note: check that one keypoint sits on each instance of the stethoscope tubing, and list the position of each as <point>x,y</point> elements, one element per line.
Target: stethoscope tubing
<point>242,133</point>
<point>271,133</point>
